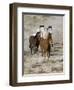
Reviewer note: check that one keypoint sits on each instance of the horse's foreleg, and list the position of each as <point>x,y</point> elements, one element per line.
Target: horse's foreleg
<point>42,52</point>
<point>52,43</point>
<point>49,49</point>
<point>31,51</point>
<point>48,54</point>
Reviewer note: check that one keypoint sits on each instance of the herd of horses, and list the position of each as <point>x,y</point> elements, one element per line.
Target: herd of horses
<point>43,40</point>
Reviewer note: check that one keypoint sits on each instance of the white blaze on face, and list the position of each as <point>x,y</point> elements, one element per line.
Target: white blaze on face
<point>50,30</point>
<point>44,33</point>
<point>41,29</point>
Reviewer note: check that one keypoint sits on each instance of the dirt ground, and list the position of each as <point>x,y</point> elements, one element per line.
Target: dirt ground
<point>37,64</point>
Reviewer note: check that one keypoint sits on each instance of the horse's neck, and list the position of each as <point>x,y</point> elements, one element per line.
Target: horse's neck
<point>35,36</point>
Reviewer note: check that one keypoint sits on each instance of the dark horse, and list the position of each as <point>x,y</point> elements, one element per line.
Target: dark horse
<point>34,42</point>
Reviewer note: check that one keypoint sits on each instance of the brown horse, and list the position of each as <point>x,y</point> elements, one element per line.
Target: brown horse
<point>45,44</point>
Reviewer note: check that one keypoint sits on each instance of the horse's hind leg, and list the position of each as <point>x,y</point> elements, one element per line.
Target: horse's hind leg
<point>49,49</point>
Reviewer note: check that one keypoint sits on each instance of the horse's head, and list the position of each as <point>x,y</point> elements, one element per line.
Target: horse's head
<point>49,29</point>
<point>38,35</point>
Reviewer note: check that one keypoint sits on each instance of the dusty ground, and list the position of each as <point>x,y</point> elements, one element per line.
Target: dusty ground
<point>36,64</point>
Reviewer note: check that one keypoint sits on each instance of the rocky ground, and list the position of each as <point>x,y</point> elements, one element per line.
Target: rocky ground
<point>36,64</point>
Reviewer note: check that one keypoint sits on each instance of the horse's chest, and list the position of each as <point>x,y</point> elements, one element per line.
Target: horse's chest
<point>44,43</point>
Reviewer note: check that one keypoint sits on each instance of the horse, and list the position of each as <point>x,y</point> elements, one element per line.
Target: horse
<point>34,42</point>
<point>45,43</point>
